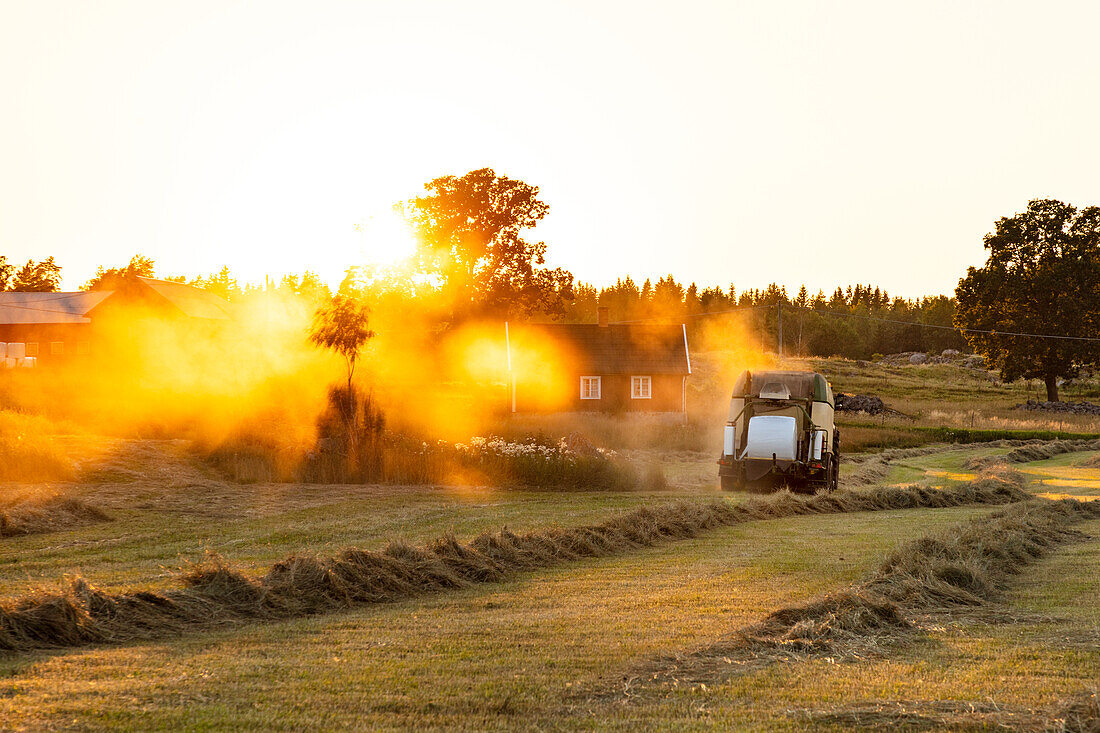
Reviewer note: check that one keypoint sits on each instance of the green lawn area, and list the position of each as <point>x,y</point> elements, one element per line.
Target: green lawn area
<point>549,649</point>
<point>1042,651</point>
<point>499,655</point>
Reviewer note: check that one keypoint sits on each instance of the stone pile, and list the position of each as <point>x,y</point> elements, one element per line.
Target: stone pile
<point>1077,408</point>
<point>860,403</point>
<point>947,356</point>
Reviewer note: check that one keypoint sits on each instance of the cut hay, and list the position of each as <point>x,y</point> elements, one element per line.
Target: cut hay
<point>978,463</point>
<point>214,594</point>
<point>937,574</point>
<point>36,516</point>
<point>1040,451</point>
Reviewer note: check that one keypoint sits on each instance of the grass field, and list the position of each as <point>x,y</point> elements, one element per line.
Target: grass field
<point>560,648</point>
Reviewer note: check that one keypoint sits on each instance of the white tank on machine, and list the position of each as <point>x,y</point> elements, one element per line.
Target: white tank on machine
<point>772,435</point>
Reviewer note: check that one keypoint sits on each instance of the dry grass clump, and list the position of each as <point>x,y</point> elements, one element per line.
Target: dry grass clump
<point>214,593</point>
<point>49,514</point>
<point>849,617</point>
<point>1080,714</point>
<point>28,452</point>
<point>934,574</point>
<point>921,715</point>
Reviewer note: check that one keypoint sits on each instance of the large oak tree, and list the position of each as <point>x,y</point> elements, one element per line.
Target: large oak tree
<point>470,235</point>
<point>1042,277</point>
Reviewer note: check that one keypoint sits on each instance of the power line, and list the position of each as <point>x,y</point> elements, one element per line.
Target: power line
<point>948,328</point>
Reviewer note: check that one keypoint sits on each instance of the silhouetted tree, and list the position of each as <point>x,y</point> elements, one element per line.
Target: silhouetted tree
<point>308,286</point>
<point>113,278</point>
<point>221,283</point>
<point>341,324</point>
<point>37,277</point>
<point>469,231</point>
<point>1042,276</point>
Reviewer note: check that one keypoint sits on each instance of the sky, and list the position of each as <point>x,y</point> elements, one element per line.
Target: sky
<point>823,143</point>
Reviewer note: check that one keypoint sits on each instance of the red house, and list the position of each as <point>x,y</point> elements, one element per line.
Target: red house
<point>56,327</point>
<point>598,367</point>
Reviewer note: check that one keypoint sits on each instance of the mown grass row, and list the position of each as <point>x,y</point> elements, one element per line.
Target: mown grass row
<point>49,514</point>
<point>960,569</point>
<point>214,594</point>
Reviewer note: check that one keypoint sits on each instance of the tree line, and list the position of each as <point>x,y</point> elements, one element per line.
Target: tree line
<point>856,322</point>
<point>45,277</point>
<point>1033,309</point>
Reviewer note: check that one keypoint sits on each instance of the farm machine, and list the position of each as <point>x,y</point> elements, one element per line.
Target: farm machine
<point>780,433</point>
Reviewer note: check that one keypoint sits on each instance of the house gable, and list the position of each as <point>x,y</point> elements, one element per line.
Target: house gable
<point>566,367</point>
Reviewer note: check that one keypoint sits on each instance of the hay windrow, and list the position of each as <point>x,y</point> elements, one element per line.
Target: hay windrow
<point>1041,451</point>
<point>941,573</point>
<point>214,594</point>
<point>50,514</point>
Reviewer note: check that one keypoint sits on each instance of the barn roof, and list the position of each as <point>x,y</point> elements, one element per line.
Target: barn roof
<point>617,348</point>
<point>48,307</point>
<point>193,301</point>
<point>32,308</point>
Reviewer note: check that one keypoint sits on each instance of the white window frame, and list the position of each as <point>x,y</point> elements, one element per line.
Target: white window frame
<point>636,384</point>
<point>591,381</point>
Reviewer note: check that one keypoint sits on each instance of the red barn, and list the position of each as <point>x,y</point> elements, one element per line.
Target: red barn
<point>598,367</point>
<point>55,327</point>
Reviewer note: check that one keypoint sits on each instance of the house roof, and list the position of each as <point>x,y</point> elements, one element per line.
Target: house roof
<point>615,349</point>
<point>48,307</point>
<point>193,301</point>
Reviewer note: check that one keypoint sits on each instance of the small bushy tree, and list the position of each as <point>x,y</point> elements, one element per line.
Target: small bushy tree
<point>342,325</point>
<point>111,278</point>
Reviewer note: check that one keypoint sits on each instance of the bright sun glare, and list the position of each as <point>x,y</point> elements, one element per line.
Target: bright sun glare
<point>387,239</point>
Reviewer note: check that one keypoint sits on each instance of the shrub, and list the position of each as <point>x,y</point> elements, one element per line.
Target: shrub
<point>535,462</point>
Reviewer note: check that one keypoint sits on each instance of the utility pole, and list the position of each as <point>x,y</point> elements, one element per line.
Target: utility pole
<point>779,329</point>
